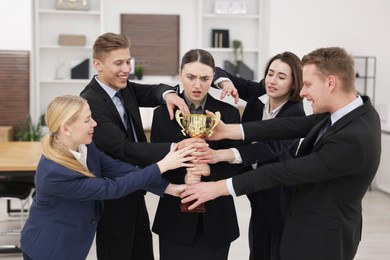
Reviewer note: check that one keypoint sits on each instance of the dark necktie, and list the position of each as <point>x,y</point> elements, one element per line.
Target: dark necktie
<point>324,129</point>
<point>127,120</point>
<point>197,110</point>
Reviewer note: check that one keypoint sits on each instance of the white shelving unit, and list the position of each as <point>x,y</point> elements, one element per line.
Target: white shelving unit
<point>244,27</point>
<point>365,67</point>
<point>47,55</point>
<point>51,61</point>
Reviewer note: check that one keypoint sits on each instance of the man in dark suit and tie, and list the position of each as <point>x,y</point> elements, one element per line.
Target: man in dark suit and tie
<point>124,230</point>
<point>330,175</point>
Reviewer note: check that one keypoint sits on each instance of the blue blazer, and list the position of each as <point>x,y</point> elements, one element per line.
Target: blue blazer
<point>66,207</point>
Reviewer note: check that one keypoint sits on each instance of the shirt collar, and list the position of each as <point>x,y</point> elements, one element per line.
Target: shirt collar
<point>265,100</point>
<point>110,91</point>
<point>346,109</point>
<point>189,103</point>
<point>81,154</point>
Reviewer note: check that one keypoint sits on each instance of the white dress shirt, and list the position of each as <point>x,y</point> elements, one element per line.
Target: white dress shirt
<point>81,154</point>
<point>266,115</point>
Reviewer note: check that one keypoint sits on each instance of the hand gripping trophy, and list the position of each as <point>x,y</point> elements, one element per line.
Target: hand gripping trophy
<point>196,125</point>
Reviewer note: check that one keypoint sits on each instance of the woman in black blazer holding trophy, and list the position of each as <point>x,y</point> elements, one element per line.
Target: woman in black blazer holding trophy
<point>195,235</point>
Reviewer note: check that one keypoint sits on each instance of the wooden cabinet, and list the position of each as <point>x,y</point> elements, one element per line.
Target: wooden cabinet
<point>6,133</point>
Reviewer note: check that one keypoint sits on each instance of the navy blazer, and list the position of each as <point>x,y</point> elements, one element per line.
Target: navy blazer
<point>66,207</point>
<point>220,220</point>
<point>330,179</point>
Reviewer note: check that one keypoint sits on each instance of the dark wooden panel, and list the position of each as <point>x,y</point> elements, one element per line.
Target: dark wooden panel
<point>154,41</point>
<point>14,87</point>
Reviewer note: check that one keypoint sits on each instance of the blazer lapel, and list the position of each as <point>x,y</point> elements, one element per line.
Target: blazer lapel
<point>211,104</point>
<point>92,161</point>
<point>107,100</point>
<point>132,109</point>
<point>308,143</point>
<point>349,117</point>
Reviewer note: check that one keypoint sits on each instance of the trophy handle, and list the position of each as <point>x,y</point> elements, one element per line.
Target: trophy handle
<point>216,121</point>
<point>178,119</point>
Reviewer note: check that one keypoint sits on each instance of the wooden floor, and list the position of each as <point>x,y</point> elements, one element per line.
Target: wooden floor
<point>375,244</point>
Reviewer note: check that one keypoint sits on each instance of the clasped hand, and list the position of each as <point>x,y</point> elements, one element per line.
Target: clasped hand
<point>195,173</point>
<point>203,191</point>
<point>185,153</point>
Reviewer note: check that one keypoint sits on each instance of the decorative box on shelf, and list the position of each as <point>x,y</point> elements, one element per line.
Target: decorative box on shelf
<point>72,4</point>
<point>230,7</point>
<point>71,39</point>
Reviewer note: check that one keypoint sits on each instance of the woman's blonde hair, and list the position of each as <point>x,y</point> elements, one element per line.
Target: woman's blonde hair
<point>62,110</point>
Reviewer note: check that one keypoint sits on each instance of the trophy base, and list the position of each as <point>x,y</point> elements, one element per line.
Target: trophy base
<point>199,209</point>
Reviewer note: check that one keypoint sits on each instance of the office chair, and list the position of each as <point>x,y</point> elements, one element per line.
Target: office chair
<point>15,190</point>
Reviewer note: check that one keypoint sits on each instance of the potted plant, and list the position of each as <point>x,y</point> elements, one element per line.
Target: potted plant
<point>237,50</point>
<point>139,71</point>
<point>239,68</point>
<point>30,132</point>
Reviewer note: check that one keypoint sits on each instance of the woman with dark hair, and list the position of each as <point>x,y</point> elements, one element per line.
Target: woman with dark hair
<point>276,95</point>
<point>194,235</point>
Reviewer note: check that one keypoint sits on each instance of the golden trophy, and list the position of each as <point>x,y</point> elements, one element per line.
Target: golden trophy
<point>196,125</point>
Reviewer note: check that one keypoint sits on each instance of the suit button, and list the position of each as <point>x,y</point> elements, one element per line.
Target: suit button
<point>93,221</point>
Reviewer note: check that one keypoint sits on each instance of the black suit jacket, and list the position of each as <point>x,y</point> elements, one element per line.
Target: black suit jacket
<point>265,151</point>
<point>219,220</point>
<point>330,178</point>
<point>274,202</point>
<point>111,135</point>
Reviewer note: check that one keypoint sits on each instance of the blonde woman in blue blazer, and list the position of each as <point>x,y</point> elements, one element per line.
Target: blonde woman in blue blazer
<point>72,178</point>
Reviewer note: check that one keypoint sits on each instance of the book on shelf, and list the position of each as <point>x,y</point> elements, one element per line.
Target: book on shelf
<point>220,38</point>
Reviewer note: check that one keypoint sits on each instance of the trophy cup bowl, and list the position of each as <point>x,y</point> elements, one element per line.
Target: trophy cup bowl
<point>196,125</point>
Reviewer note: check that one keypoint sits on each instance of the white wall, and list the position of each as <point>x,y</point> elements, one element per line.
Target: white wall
<point>15,25</point>
<point>359,26</point>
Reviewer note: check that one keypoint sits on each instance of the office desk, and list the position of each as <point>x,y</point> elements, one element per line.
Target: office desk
<point>18,162</point>
<point>19,158</point>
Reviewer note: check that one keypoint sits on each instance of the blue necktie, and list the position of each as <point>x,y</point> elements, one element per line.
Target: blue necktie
<point>127,120</point>
<point>324,129</point>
